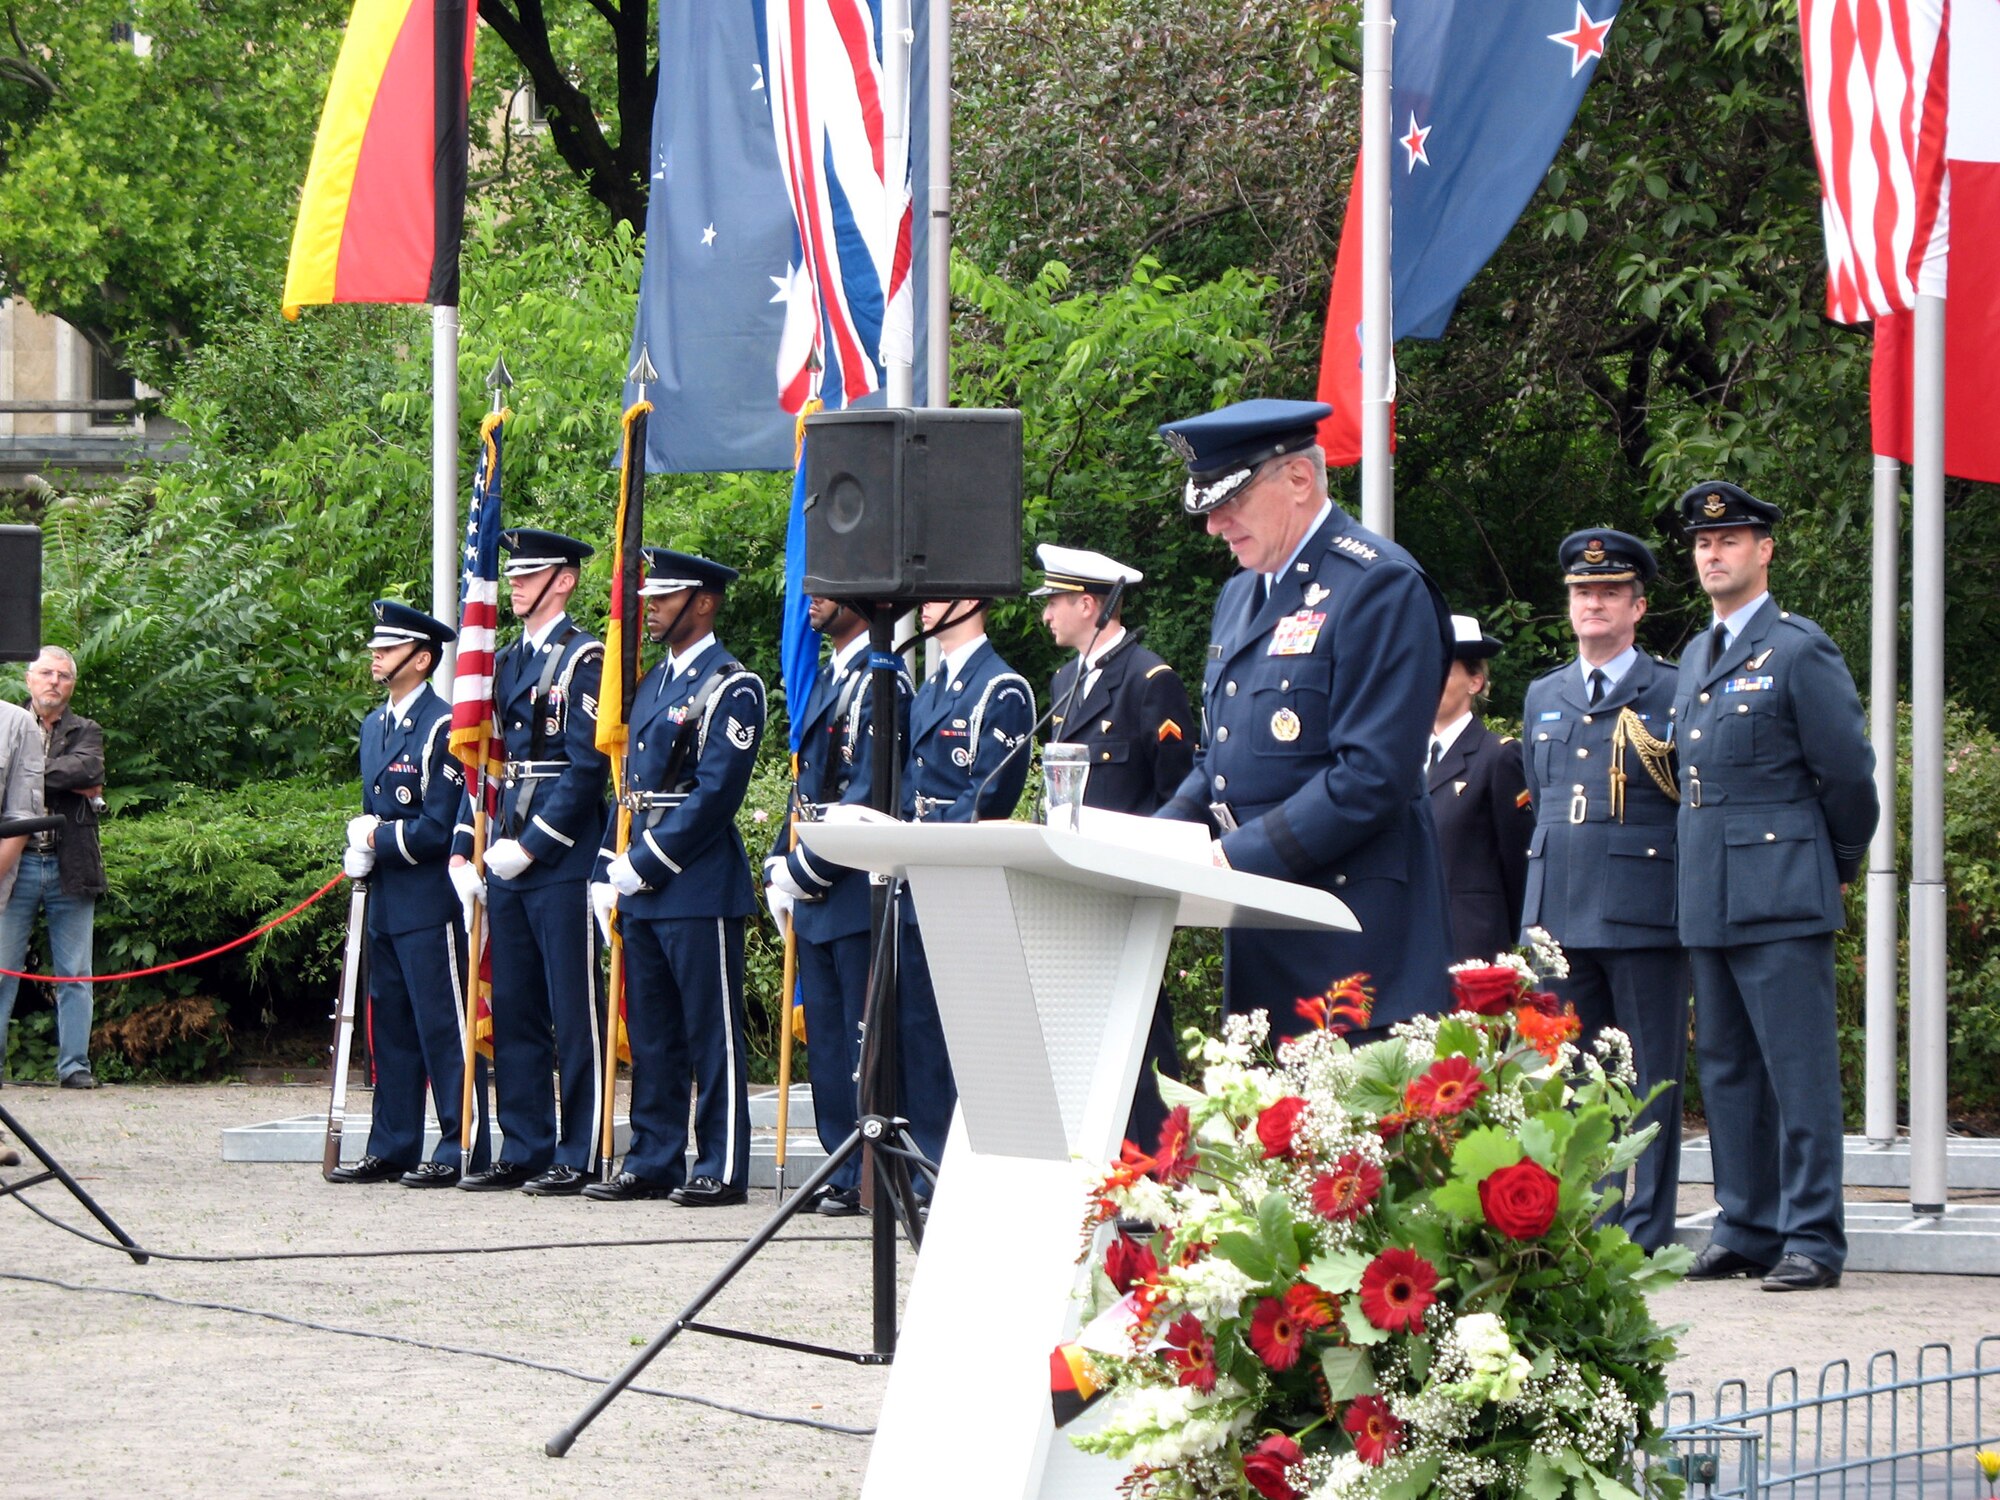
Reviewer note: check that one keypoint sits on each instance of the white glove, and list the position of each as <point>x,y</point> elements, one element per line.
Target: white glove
<point>507,860</point>
<point>778,874</point>
<point>780,902</point>
<point>358,864</point>
<point>603,902</point>
<point>361,831</point>
<point>471,889</point>
<point>623,877</point>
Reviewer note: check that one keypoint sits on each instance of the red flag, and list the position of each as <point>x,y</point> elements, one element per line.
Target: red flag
<point>1340,354</point>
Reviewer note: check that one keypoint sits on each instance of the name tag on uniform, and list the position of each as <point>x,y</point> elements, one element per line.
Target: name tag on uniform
<point>1749,684</point>
<point>1295,635</point>
<point>1550,716</point>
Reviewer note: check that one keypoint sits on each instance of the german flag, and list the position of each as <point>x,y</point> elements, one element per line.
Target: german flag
<point>384,203</point>
<point>1071,1388</point>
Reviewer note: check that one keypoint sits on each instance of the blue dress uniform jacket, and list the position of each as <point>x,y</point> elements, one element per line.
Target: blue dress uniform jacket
<point>547,1018</point>
<point>962,725</point>
<point>1602,884</point>
<point>1479,802</point>
<point>1777,808</point>
<point>1318,704</point>
<point>683,934</point>
<point>413,783</point>
<point>1133,713</point>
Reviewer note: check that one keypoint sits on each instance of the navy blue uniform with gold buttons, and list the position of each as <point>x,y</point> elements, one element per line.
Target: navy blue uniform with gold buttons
<point>962,725</point>
<point>1601,874</point>
<point>1480,807</point>
<point>1318,703</point>
<point>1133,713</point>
<point>546,1014</point>
<point>836,766</point>
<point>413,783</point>
<point>694,737</point>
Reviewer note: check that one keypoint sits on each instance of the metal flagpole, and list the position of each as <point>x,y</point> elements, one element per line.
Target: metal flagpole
<point>1378,379</point>
<point>444,475</point>
<point>896,38</point>
<point>1884,964</point>
<point>937,292</point>
<point>1927,894</point>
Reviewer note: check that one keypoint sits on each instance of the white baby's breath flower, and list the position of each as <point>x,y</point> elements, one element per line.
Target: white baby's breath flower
<point>1211,1288</point>
<point>1549,956</point>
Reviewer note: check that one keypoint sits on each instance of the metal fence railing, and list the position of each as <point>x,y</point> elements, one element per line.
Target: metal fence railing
<point>1895,1432</point>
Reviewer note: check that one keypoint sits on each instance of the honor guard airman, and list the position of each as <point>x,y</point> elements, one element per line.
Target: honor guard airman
<point>967,761</point>
<point>1131,711</point>
<point>1479,802</point>
<point>681,890</point>
<point>1598,748</point>
<point>828,903</point>
<point>1777,807</point>
<point>546,1016</point>
<point>411,785</point>
<point>1325,661</point>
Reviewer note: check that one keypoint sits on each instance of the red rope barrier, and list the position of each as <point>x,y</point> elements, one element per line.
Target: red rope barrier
<point>181,963</point>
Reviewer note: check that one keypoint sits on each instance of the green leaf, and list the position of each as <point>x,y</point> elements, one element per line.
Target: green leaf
<point>1542,1480</point>
<point>1458,1038</point>
<point>1483,1152</point>
<point>1460,1199</point>
<point>1592,1134</point>
<point>1348,1373</point>
<point>1175,1093</point>
<point>1416,1482</point>
<point>1249,1254</point>
<point>1337,1271</point>
<point>1544,1136</point>
<point>1274,1217</point>
<point>1359,1330</point>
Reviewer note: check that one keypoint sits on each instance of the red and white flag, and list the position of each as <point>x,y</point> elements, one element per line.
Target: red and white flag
<point>1962,263</point>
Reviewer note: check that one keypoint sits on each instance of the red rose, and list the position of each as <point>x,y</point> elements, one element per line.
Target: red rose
<point>1266,1465</point>
<point>1277,1125</point>
<point>1520,1201</point>
<point>1127,1261</point>
<point>1488,991</point>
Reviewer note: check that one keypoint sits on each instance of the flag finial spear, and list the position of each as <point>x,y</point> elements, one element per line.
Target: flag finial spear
<point>642,373</point>
<point>499,382</point>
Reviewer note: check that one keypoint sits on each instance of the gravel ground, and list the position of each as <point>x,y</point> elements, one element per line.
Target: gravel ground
<point>109,1394</point>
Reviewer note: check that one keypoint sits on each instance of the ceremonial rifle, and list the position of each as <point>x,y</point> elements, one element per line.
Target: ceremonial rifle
<point>353,979</point>
<point>621,653</point>
<point>785,987</point>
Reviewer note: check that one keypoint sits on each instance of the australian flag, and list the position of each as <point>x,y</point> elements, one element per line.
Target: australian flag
<point>780,255</point>
<point>1482,97</point>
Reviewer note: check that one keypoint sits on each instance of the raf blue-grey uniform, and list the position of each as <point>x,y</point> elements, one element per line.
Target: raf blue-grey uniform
<point>547,1019</point>
<point>965,727</point>
<point>1601,865</point>
<point>416,962</point>
<point>836,767</point>
<point>694,731</point>
<point>1777,807</point>
<point>1317,703</point>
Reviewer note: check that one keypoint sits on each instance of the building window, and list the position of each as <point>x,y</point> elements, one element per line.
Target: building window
<point>526,108</point>
<point>109,383</point>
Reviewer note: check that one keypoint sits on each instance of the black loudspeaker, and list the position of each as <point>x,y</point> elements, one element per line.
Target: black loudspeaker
<point>20,593</point>
<point>908,504</point>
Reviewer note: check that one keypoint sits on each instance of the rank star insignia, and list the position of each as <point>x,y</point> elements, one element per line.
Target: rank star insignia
<point>1714,506</point>
<point>1355,547</point>
<point>1316,592</point>
<point>1285,725</point>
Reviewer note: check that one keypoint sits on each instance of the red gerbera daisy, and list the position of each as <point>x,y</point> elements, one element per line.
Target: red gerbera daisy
<point>1310,1306</point>
<point>1374,1428</point>
<point>1279,1124</point>
<point>1176,1159</point>
<point>1191,1351</point>
<point>1275,1335</point>
<point>1396,1288</point>
<point>1346,1191</point>
<point>1449,1087</point>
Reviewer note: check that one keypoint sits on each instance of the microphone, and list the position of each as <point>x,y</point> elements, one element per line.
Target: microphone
<point>20,827</point>
<point>1104,617</point>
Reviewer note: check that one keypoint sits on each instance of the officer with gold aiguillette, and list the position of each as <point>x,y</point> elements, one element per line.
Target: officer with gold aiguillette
<point>1597,737</point>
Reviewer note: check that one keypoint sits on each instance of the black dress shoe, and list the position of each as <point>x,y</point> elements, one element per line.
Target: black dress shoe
<point>1717,1263</point>
<point>557,1182</point>
<point>368,1169</point>
<point>82,1078</point>
<point>626,1187</point>
<point>838,1203</point>
<point>501,1177</point>
<point>431,1174</point>
<point>1800,1273</point>
<point>708,1192</point>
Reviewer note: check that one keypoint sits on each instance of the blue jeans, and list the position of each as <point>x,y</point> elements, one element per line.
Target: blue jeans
<point>38,888</point>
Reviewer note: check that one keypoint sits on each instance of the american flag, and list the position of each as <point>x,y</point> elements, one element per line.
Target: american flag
<point>474,738</point>
<point>847,301</point>
<point>1875,93</point>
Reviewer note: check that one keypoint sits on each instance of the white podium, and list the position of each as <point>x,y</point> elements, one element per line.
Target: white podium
<point>1046,949</point>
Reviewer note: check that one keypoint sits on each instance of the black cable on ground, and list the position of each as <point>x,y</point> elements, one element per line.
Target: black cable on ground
<point>454,1349</point>
<point>633,1244</point>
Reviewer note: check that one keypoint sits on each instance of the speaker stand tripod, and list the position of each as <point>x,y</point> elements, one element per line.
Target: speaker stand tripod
<point>51,1168</point>
<point>880,1134</point>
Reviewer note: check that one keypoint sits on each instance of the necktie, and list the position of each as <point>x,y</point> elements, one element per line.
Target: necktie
<point>1437,754</point>
<point>1718,642</point>
<point>1598,682</point>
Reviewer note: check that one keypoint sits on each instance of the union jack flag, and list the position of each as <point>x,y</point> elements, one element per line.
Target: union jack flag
<point>847,299</point>
<point>475,739</point>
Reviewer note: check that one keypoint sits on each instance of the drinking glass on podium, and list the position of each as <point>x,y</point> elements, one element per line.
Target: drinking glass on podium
<point>1065,771</point>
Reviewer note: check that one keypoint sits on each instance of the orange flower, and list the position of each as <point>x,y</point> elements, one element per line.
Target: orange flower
<point>1546,1033</point>
<point>1346,1005</point>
